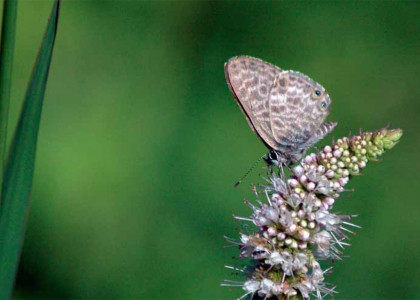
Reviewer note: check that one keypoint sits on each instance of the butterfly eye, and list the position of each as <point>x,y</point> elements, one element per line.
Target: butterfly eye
<point>272,155</point>
<point>316,94</point>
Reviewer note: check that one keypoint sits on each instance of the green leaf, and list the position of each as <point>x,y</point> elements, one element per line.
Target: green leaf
<point>8,31</point>
<point>20,166</point>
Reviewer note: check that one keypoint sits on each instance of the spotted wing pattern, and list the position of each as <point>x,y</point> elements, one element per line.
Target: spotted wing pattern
<point>286,109</point>
<point>296,113</point>
<point>250,81</point>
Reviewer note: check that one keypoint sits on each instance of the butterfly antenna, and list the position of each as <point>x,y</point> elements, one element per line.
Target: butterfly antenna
<point>249,171</point>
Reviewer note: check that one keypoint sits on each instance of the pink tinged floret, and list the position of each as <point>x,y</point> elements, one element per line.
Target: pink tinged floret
<point>303,179</point>
<point>330,174</point>
<point>337,153</point>
<point>272,231</point>
<point>321,169</point>
<point>293,183</point>
<point>308,159</point>
<point>327,149</point>
<point>298,170</point>
<point>311,186</point>
<point>281,236</point>
<point>303,245</point>
<point>329,200</point>
<point>304,234</point>
<point>343,181</point>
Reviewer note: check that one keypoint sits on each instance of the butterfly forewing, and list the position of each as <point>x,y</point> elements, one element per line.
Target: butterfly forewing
<point>250,81</point>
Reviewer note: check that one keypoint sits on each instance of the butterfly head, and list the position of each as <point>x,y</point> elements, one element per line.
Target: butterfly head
<point>276,158</point>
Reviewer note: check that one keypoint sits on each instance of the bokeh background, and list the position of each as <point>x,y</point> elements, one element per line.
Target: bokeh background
<point>141,142</point>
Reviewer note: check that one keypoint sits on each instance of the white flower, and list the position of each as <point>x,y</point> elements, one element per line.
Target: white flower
<point>275,258</point>
<point>251,286</point>
<point>299,261</point>
<point>287,263</point>
<point>266,286</point>
<point>322,240</point>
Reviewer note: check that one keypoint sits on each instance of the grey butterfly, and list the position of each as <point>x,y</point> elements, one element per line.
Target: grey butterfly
<point>286,109</point>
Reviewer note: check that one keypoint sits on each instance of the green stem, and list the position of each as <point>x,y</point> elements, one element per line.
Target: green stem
<point>6,65</point>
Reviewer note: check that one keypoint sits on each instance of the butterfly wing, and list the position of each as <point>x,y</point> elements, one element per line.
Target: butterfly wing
<point>250,81</point>
<point>296,115</point>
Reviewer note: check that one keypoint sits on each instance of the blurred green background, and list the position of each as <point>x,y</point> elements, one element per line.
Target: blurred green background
<point>141,142</point>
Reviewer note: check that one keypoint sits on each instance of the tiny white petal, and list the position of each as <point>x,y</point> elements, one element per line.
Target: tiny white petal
<point>303,179</point>
<point>275,258</point>
<point>244,238</point>
<point>298,170</point>
<point>251,286</point>
<point>266,286</point>
<point>261,221</point>
<point>272,214</point>
<point>275,198</point>
<point>277,289</point>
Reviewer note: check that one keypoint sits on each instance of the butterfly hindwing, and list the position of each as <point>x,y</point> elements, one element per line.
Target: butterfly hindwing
<point>295,115</point>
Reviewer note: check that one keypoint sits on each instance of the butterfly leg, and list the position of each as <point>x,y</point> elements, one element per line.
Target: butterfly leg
<point>283,176</point>
<point>281,172</point>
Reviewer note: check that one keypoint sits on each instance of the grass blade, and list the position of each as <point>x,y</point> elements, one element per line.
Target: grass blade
<point>20,166</point>
<point>8,31</point>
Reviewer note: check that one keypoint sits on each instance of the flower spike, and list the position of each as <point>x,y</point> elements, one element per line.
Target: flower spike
<point>295,227</point>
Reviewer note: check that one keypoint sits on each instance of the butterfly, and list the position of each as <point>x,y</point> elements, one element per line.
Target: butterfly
<point>285,109</point>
